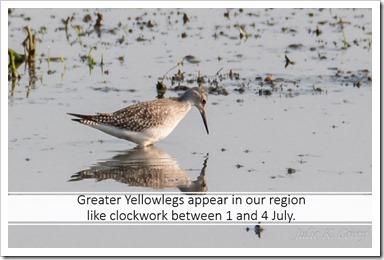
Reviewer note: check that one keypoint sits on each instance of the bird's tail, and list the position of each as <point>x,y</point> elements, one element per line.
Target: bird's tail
<point>80,117</point>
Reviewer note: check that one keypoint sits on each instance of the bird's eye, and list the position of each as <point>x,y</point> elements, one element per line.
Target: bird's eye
<point>204,102</point>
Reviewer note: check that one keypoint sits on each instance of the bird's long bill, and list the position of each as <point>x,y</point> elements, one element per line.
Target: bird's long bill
<point>202,112</point>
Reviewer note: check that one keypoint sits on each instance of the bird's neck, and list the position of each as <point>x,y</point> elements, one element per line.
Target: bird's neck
<point>186,97</point>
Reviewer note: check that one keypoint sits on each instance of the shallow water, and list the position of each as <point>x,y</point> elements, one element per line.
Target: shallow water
<point>308,130</point>
<point>315,122</point>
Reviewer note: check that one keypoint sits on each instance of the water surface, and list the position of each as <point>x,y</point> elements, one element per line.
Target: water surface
<point>309,129</point>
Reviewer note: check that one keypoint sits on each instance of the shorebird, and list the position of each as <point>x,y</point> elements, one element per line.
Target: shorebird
<point>148,122</point>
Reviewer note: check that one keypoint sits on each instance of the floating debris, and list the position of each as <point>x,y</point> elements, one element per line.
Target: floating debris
<point>296,46</point>
<point>318,32</point>
<point>87,18</point>
<point>121,40</point>
<point>290,170</point>
<point>217,90</point>
<point>240,89</point>
<point>269,79</point>
<point>265,92</point>
<point>140,27</point>
<point>185,18</point>
<point>161,88</point>
<point>238,166</point>
<point>226,14</point>
<point>321,56</point>
<point>233,75</point>
<point>317,89</point>
<point>121,59</point>
<point>191,59</point>
<point>141,39</point>
<point>257,229</point>
<point>107,89</point>
<point>288,61</point>
<point>91,60</point>
<point>243,33</point>
<point>99,21</point>
<point>150,24</point>
<point>179,76</point>
<point>346,45</point>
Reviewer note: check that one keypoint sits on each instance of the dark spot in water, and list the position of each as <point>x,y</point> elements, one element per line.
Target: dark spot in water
<point>269,79</point>
<point>191,59</point>
<point>321,56</point>
<point>161,88</point>
<point>99,20</point>
<point>288,61</point>
<point>150,24</point>
<point>177,77</point>
<point>312,48</point>
<point>318,32</point>
<point>141,39</point>
<point>296,46</point>
<point>322,22</point>
<point>185,18</point>
<point>302,161</point>
<point>265,92</point>
<point>121,40</point>
<point>238,166</point>
<point>218,90</point>
<point>233,75</point>
<point>240,90</point>
<point>121,59</point>
<point>257,229</point>
<point>112,89</point>
<point>291,170</point>
<point>87,18</point>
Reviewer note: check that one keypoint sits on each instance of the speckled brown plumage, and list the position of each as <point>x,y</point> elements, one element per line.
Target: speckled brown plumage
<point>139,116</point>
<point>147,122</point>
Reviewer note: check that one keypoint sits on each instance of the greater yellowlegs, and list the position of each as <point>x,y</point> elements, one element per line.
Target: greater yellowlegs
<point>148,122</point>
<point>146,167</point>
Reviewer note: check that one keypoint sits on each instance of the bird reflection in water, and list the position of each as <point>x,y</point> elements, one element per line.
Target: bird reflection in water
<point>146,167</point>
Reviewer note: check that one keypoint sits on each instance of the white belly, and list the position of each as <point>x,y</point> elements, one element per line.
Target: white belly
<point>146,136</point>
